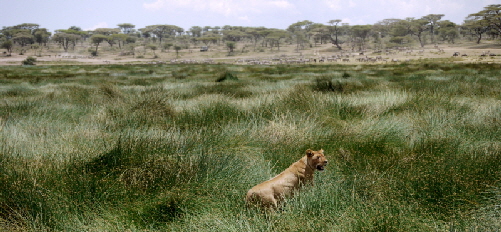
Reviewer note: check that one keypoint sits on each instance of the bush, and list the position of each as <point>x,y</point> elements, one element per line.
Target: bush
<point>226,75</point>
<point>29,61</point>
<point>326,84</point>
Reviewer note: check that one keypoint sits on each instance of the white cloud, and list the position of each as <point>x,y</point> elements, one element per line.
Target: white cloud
<point>244,18</point>
<point>338,5</point>
<point>226,8</point>
<point>281,4</point>
<point>352,3</point>
<point>99,25</point>
<point>334,4</point>
<point>154,5</point>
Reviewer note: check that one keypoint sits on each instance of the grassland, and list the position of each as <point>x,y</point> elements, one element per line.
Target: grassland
<point>412,146</point>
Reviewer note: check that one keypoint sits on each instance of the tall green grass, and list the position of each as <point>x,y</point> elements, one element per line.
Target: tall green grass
<point>412,147</point>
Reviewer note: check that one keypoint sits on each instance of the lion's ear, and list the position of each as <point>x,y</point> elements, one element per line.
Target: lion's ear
<point>309,153</point>
<point>321,151</point>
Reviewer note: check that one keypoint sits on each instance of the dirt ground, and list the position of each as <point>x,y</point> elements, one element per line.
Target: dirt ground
<point>469,53</point>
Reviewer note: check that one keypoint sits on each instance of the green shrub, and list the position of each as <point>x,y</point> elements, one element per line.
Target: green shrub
<point>29,61</point>
<point>326,84</point>
<point>226,76</point>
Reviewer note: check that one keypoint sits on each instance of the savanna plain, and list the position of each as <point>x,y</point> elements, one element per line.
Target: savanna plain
<point>412,146</point>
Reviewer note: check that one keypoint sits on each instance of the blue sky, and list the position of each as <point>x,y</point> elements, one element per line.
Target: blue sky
<point>91,14</point>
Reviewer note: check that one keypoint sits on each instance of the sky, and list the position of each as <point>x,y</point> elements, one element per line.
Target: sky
<point>91,14</point>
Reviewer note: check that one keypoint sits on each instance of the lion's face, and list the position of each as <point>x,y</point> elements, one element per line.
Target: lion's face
<point>316,159</point>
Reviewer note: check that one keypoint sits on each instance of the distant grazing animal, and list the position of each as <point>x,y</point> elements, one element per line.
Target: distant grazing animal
<point>270,193</point>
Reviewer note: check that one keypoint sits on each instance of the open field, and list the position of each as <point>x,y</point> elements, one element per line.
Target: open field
<point>53,55</point>
<point>412,146</point>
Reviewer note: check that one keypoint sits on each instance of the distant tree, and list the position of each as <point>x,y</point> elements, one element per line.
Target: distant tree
<point>334,30</point>
<point>166,46</point>
<point>207,40</point>
<point>106,31</point>
<point>69,37</point>
<point>161,31</point>
<point>386,26</point>
<point>216,29</point>
<point>401,28</point>
<point>321,33</point>
<point>27,26</point>
<point>300,26</point>
<point>233,35</point>
<point>126,28</point>
<point>65,39</point>
<point>23,38</point>
<point>432,20</point>
<point>41,36</point>
<point>177,48</point>
<point>196,31</point>
<point>179,30</point>
<point>130,39</point>
<point>492,15</point>
<point>299,32</point>
<point>75,28</point>
<point>230,45</point>
<point>153,48</point>
<point>476,26</point>
<point>8,45</point>
<point>275,36</point>
<point>417,27</point>
<point>360,34</point>
<point>206,29</point>
<point>120,39</point>
<point>448,31</point>
<point>98,39</point>
<point>8,32</point>
<point>257,33</point>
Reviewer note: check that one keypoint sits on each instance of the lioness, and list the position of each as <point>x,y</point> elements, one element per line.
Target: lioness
<point>271,192</point>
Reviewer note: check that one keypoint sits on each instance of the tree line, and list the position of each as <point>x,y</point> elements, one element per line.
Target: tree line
<point>429,29</point>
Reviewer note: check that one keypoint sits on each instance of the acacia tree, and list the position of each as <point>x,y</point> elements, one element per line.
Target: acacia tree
<point>360,34</point>
<point>8,45</point>
<point>69,37</point>
<point>492,15</point>
<point>162,31</point>
<point>386,26</point>
<point>299,32</point>
<point>256,33</point>
<point>196,31</point>
<point>275,36</point>
<point>177,48</point>
<point>65,39</point>
<point>23,38</point>
<point>230,45</point>
<point>447,31</point>
<point>121,39</point>
<point>97,39</point>
<point>41,36</point>
<point>417,27</point>
<point>27,26</point>
<point>334,30</point>
<point>476,26</point>
<point>432,20</point>
<point>126,28</point>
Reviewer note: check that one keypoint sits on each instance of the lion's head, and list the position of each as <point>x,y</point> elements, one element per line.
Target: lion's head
<point>316,159</point>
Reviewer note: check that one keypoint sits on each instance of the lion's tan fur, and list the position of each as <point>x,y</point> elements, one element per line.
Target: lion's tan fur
<point>271,192</point>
